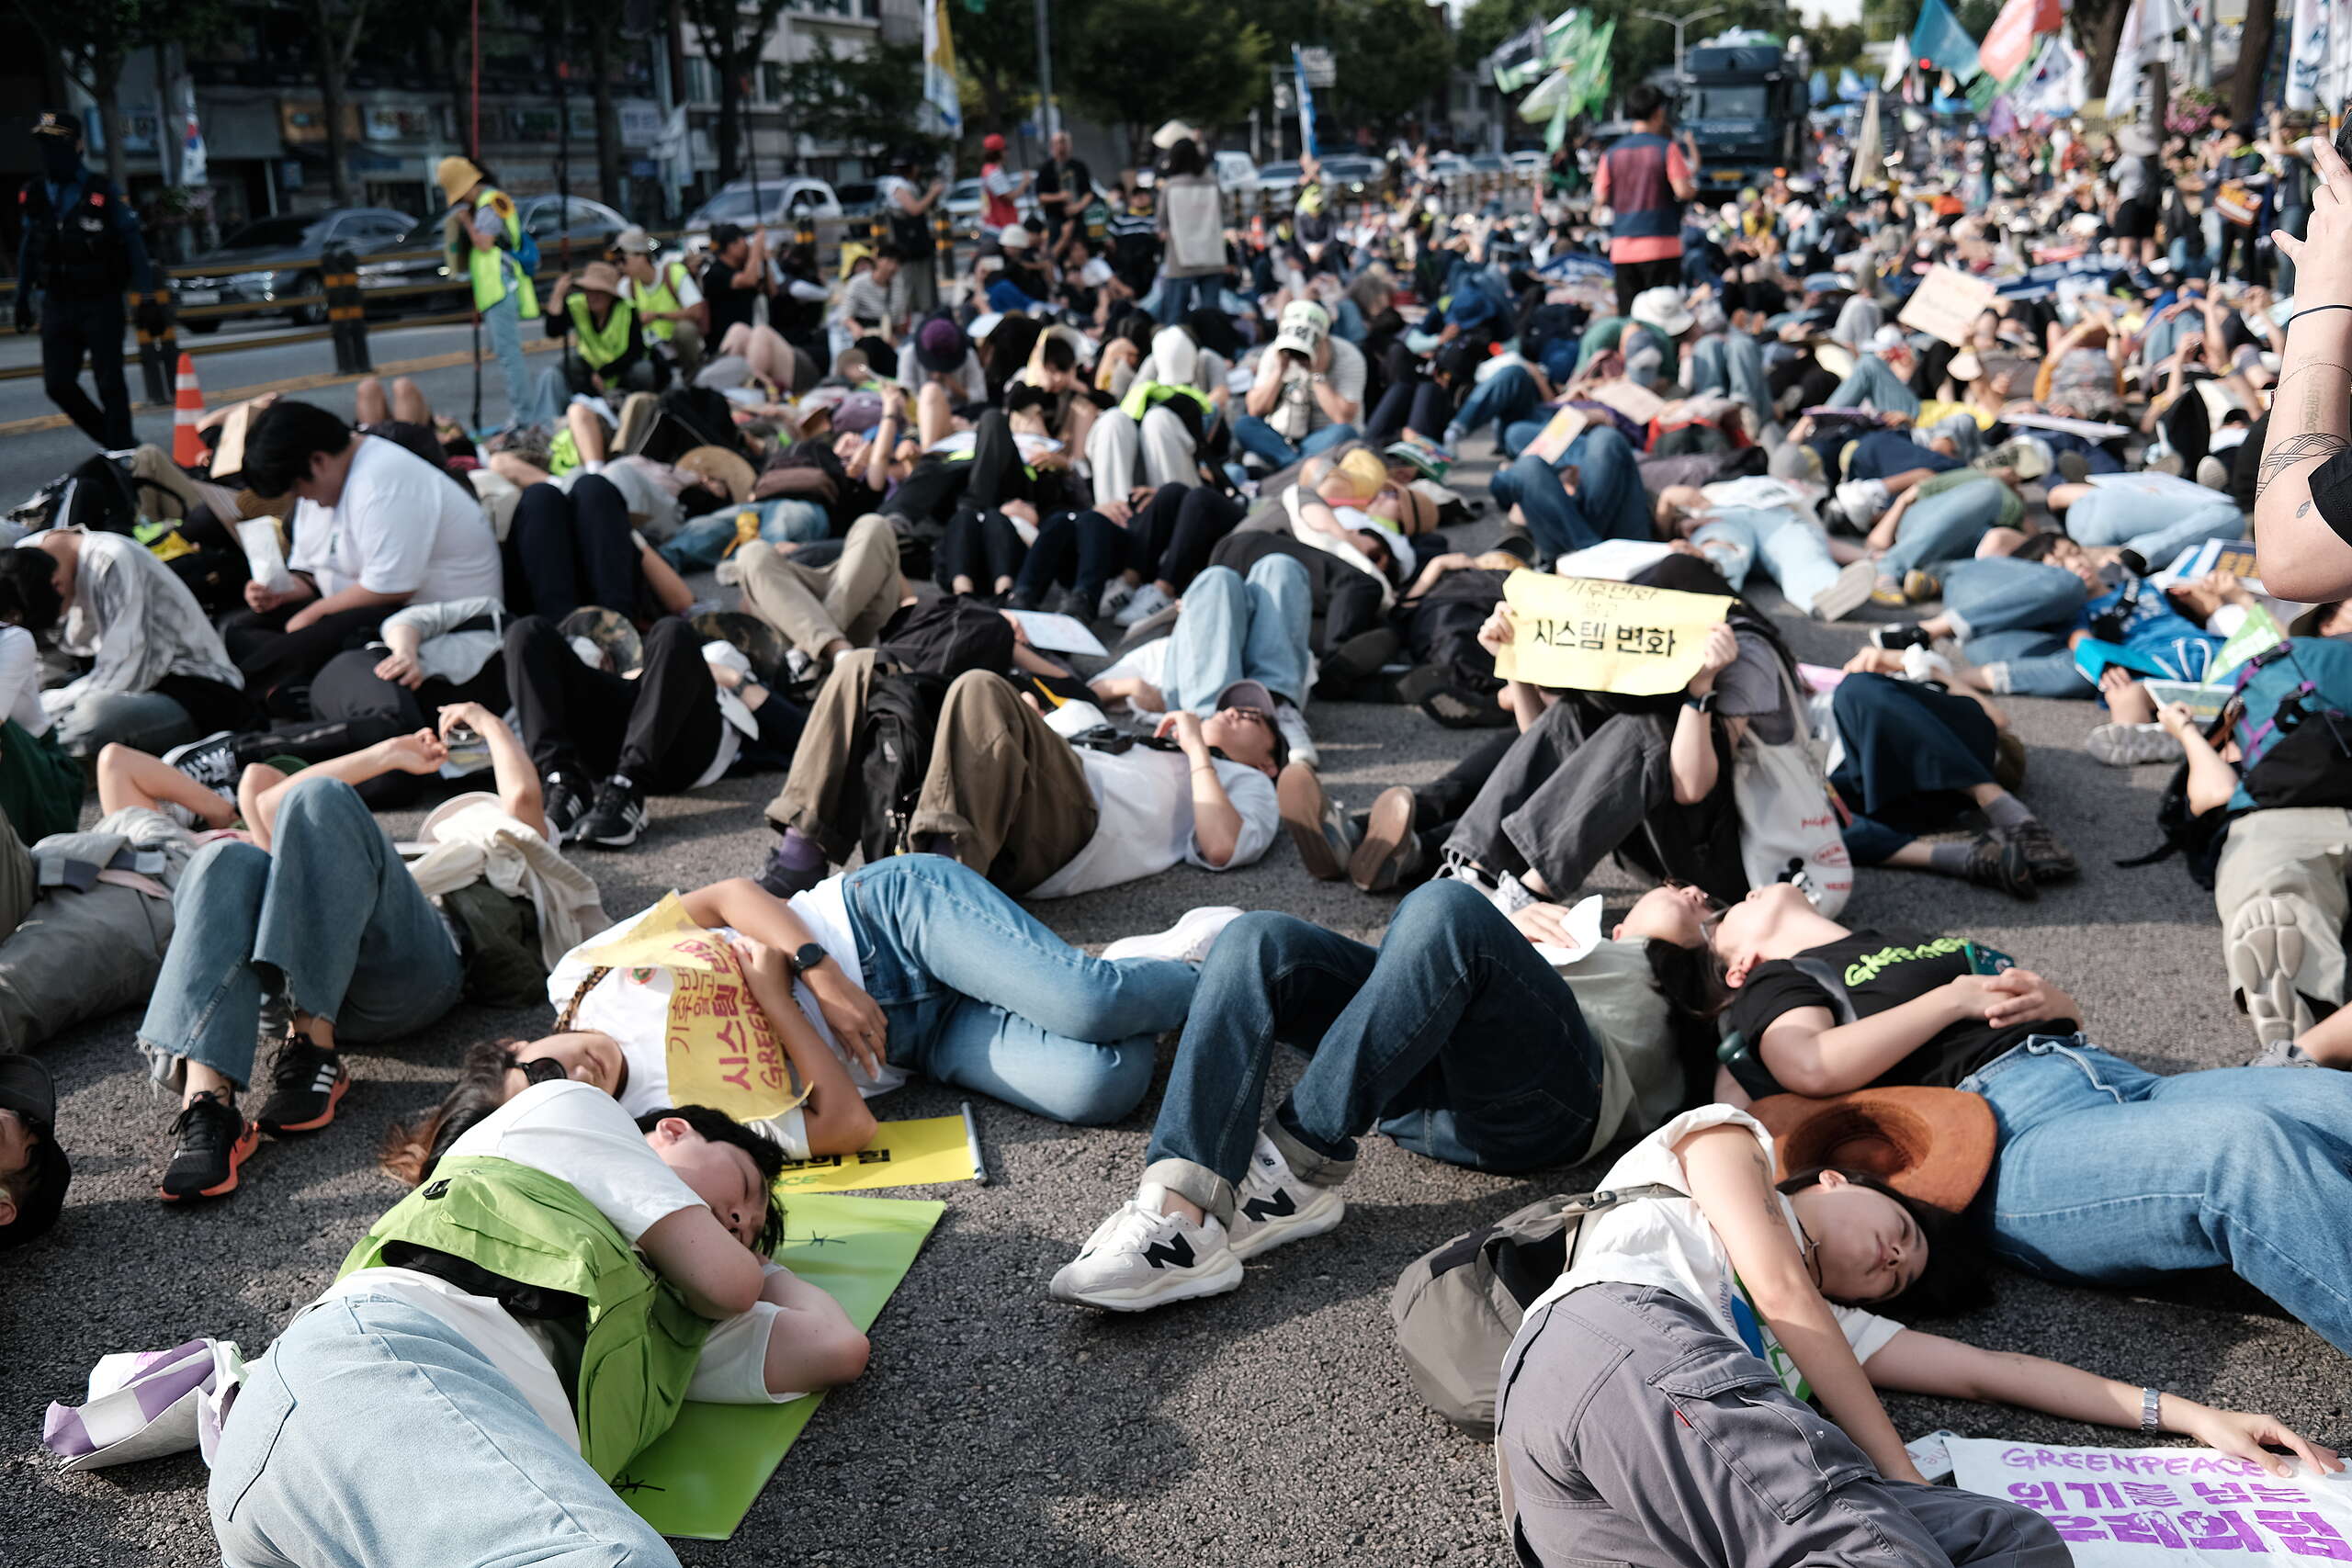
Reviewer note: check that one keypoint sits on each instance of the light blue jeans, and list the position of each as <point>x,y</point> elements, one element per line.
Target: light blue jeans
<point>1794,551</point>
<point>503,325</point>
<point>1943,527</point>
<point>1509,396</point>
<point>145,721</point>
<point>330,908</point>
<point>980,995</point>
<point>2000,593</point>
<point>786,520</point>
<point>1241,629</point>
<point>2155,527</point>
<point>373,1432</point>
<point>1731,363</point>
<point>2107,1173</point>
<point>1872,383</point>
<point>1254,434</point>
<point>2029,663</point>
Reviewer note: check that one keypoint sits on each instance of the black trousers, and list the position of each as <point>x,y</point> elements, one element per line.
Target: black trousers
<point>1424,407</point>
<point>1634,277</point>
<point>1169,541</point>
<point>1080,549</point>
<point>72,330</point>
<point>661,729</point>
<point>982,545</point>
<point>278,664</point>
<point>564,551</point>
<point>994,474</point>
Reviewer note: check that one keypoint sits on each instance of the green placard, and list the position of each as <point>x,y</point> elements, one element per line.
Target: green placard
<point>701,1479</point>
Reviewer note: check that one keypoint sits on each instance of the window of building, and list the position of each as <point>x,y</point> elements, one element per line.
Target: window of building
<point>771,82</point>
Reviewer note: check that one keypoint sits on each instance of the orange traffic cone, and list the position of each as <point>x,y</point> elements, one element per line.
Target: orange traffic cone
<point>187,405</point>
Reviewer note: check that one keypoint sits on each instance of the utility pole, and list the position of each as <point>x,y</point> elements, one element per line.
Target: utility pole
<point>1044,76</point>
<point>1678,24</point>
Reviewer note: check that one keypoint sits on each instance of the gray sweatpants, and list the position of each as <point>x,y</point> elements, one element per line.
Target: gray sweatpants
<point>1632,1431</point>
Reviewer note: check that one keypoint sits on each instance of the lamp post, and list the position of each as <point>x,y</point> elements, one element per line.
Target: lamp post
<point>1678,24</point>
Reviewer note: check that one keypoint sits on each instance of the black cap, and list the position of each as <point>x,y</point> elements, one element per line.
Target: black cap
<point>27,1088</point>
<point>57,122</point>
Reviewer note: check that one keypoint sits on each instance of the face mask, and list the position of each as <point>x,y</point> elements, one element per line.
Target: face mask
<point>59,158</point>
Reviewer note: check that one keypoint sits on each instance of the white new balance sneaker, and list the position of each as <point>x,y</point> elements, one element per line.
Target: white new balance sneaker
<point>1274,1206</point>
<point>1140,1259</point>
<point>1186,941</point>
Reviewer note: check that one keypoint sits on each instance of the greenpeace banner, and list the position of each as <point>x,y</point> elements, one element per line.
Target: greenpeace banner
<point>2009,44</point>
<point>1585,634</point>
<point>2165,1508</point>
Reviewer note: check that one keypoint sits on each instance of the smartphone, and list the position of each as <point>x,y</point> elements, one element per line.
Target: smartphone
<point>1983,960</point>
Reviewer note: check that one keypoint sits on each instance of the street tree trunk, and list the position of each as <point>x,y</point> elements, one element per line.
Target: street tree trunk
<point>729,59</point>
<point>2254,59</point>
<point>335,44</point>
<point>109,73</point>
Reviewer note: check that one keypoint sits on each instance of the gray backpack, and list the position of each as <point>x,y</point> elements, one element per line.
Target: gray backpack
<point>1458,1307</point>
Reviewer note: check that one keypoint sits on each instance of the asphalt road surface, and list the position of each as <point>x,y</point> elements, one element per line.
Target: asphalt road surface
<point>1272,1426</point>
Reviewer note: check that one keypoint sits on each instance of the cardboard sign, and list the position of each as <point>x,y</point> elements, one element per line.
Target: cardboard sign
<point>1946,305</point>
<point>1567,424</point>
<point>2177,1507</point>
<point>1586,634</point>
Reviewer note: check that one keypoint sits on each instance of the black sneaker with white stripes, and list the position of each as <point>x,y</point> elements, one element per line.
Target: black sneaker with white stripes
<point>211,761</point>
<point>306,1083</point>
<point>563,805</point>
<point>618,818</point>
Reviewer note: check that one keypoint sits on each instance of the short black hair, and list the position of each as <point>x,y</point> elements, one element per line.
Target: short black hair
<point>38,1190</point>
<point>28,595</point>
<point>724,234</point>
<point>285,438</point>
<point>1955,1279</point>
<point>1642,100</point>
<point>1054,351</point>
<point>2037,547</point>
<point>890,252</point>
<point>767,1155</point>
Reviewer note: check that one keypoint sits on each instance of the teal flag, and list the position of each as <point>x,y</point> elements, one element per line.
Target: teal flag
<point>1941,41</point>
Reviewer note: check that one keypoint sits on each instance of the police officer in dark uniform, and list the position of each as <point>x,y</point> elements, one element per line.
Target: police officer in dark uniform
<point>81,249</point>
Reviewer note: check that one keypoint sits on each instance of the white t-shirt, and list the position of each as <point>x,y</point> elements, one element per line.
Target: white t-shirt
<point>1144,798</point>
<point>633,1007</point>
<point>398,527</point>
<point>1667,1242</point>
<point>20,680</point>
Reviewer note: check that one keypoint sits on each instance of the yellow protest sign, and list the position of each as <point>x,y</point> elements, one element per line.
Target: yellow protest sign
<point>722,1050</point>
<point>901,1154</point>
<point>1586,634</point>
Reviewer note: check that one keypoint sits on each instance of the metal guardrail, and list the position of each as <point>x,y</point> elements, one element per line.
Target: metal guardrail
<point>346,300</point>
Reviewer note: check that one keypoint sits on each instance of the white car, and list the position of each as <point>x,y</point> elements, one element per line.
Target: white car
<point>1236,175</point>
<point>778,203</point>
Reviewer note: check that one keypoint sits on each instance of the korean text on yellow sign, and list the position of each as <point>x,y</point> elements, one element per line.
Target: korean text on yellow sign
<point>1586,634</point>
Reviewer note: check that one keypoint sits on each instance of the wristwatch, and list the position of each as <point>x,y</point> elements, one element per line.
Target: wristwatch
<point>1703,703</point>
<point>807,957</point>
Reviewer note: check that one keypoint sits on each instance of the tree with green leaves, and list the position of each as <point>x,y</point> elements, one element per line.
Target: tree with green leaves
<point>93,39</point>
<point>1485,25</point>
<point>1383,52</point>
<point>870,102</point>
<point>732,37</point>
<point>1138,65</point>
<point>996,54</point>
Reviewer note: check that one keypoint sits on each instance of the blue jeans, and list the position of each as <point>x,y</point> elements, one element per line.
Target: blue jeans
<point>1610,502</point>
<point>330,908</point>
<point>2000,593</point>
<point>980,995</point>
<point>1872,383</point>
<point>2155,527</point>
<point>372,1432</point>
<point>2029,663</point>
<point>1176,297</point>
<point>1794,551</point>
<point>1508,397</point>
<point>1730,362</point>
<point>1943,527</point>
<point>1254,434</point>
<point>2107,1173</point>
<point>1452,1036</point>
<point>702,542</point>
<point>1234,629</point>
<point>503,325</point>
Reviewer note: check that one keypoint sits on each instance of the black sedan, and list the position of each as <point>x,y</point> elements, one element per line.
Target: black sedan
<point>277,258</point>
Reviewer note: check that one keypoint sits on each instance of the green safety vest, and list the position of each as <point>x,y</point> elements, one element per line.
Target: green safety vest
<point>496,272</point>
<point>662,294</point>
<point>525,1225</point>
<point>1144,394</point>
<point>599,347</point>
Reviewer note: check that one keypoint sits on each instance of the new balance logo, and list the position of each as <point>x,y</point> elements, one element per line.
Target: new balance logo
<point>1160,1255</point>
<point>1278,1207</point>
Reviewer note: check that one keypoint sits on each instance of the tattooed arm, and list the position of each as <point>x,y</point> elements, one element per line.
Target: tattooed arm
<point>2302,554</point>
